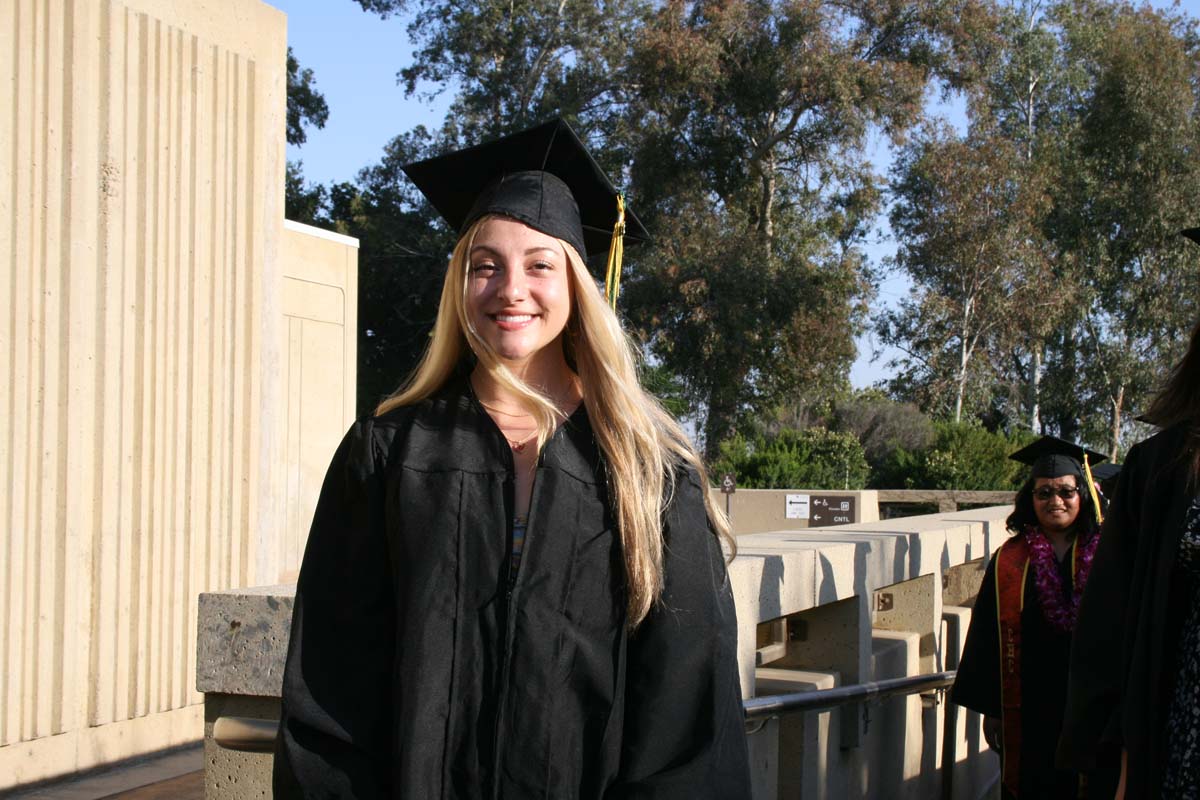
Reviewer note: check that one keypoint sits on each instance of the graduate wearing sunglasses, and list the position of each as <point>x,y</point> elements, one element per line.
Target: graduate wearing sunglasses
<point>1014,664</point>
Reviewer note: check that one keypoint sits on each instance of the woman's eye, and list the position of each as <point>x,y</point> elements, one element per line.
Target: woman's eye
<point>543,265</point>
<point>483,266</point>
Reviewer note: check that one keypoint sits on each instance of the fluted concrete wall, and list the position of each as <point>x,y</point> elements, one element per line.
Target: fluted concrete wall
<point>141,333</point>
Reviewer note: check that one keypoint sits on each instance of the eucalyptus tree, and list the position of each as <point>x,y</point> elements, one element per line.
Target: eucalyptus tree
<point>750,129</point>
<point>1134,187</point>
<point>961,216</point>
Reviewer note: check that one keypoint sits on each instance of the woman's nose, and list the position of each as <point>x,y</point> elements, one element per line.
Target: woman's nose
<point>512,285</point>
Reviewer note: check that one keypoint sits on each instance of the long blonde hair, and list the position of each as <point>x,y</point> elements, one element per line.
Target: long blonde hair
<point>643,445</point>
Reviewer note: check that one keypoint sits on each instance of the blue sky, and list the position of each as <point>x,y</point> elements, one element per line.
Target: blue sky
<point>355,57</point>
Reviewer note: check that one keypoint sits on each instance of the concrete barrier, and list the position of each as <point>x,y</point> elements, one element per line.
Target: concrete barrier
<point>816,608</point>
<point>757,510</point>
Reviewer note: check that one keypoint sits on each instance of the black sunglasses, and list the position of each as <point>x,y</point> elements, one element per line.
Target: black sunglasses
<point>1046,492</point>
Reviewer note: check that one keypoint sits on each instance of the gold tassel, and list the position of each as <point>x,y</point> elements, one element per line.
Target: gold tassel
<point>616,253</point>
<point>1092,490</point>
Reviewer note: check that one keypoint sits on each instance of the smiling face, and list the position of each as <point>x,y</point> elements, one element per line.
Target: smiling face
<point>518,291</point>
<point>1056,513</point>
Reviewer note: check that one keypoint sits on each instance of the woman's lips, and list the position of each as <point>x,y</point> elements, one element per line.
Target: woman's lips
<point>512,322</point>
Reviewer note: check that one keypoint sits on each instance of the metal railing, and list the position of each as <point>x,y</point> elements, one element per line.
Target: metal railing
<point>775,705</point>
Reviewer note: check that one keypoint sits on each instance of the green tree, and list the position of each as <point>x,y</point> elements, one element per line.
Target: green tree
<point>1135,189</point>
<point>1024,97</point>
<point>513,63</point>
<point>963,216</point>
<point>305,105</point>
<point>750,127</point>
<point>303,201</point>
<point>1096,102</point>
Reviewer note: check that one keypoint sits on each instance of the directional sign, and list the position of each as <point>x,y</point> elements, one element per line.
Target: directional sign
<point>796,506</point>
<point>728,484</point>
<point>831,510</point>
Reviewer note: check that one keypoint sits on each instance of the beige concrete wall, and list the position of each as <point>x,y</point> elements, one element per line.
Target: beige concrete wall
<point>320,307</point>
<point>759,510</point>
<point>141,332</point>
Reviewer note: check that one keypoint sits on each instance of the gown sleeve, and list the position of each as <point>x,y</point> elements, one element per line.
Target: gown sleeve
<point>333,736</point>
<point>977,683</point>
<point>684,729</point>
<point>1091,725</point>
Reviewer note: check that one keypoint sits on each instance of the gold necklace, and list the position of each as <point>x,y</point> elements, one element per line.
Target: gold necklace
<point>517,445</point>
<point>499,410</point>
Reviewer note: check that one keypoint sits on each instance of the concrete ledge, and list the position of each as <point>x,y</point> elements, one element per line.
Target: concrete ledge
<point>242,640</point>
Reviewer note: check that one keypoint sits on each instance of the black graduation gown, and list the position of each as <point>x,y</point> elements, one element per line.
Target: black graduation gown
<point>1123,660</point>
<point>415,671</point>
<point>1045,653</point>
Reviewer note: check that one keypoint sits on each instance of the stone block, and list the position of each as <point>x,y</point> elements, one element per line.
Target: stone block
<point>242,640</point>
<point>762,740</point>
<point>961,583</point>
<point>232,774</point>
<point>896,737</point>
<point>804,738</point>
<point>913,606</point>
<point>975,765</point>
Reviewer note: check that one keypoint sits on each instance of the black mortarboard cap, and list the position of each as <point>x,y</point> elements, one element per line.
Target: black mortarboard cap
<point>1191,233</point>
<point>542,176</point>
<point>1051,457</point>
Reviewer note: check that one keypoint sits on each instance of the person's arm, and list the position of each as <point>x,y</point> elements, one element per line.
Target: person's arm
<point>1091,723</point>
<point>334,732</point>
<point>684,729</point>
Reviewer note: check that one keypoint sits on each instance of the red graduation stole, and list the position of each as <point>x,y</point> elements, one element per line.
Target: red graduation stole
<point>1012,564</point>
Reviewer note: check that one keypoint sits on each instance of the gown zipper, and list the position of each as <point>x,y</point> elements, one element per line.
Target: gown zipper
<point>509,624</point>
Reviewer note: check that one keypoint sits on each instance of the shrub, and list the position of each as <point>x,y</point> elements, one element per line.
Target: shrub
<point>963,456</point>
<point>815,458</point>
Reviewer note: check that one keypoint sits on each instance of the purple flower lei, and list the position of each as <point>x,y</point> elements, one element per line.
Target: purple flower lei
<point>1059,613</point>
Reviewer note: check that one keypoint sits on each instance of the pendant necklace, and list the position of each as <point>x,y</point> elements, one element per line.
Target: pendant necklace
<point>517,445</point>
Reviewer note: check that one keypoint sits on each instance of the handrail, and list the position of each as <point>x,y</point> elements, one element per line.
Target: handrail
<point>251,735</point>
<point>774,705</point>
<point>245,734</point>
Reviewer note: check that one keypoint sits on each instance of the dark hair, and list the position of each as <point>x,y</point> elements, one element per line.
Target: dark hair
<point>1179,404</point>
<point>1023,514</point>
